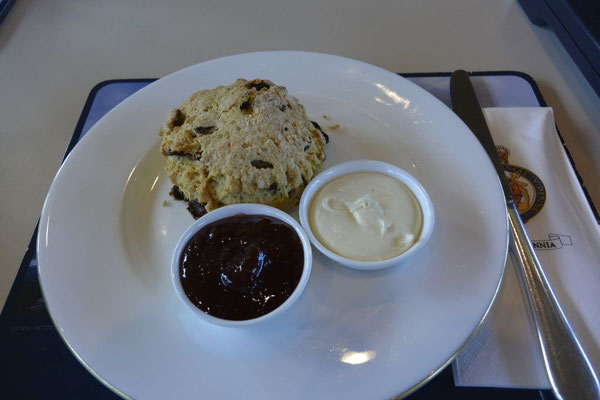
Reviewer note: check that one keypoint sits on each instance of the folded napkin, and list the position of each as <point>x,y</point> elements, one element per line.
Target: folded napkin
<point>560,222</point>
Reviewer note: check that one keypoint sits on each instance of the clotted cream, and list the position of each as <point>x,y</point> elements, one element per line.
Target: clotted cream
<point>366,216</point>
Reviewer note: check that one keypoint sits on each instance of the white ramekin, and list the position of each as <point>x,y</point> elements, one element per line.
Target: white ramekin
<point>228,211</point>
<point>368,166</point>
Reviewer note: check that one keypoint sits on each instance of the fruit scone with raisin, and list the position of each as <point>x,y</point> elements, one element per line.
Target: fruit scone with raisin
<point>249,142</point>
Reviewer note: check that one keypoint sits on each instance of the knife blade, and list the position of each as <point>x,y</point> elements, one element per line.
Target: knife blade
<point>568,368</point>
<point>466,106</point>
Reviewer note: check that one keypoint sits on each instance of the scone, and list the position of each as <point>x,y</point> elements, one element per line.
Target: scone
<point>249,142</point>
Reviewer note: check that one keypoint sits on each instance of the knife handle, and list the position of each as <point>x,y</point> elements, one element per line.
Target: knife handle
<point>569,370</point>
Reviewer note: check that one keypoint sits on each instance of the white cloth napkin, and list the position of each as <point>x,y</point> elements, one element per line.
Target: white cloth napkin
<point>504,352</point>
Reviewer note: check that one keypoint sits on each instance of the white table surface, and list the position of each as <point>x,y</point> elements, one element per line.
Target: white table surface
<point>53,52</point>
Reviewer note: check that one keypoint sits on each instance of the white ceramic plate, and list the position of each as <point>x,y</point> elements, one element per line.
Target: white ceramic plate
<point>105,243</point>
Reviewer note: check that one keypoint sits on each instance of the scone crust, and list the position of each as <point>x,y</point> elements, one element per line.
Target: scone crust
<point>249,142</point>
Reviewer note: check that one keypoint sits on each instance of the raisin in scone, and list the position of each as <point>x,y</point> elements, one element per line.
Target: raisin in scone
<point>249,142</point>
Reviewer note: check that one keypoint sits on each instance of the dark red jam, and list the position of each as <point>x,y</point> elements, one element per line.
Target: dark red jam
<point>241,267</point>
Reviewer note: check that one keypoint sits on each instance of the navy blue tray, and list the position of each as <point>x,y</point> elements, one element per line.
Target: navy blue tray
<point>36,363</point>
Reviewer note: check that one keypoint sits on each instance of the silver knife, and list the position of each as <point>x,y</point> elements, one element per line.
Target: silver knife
<point>569,370</point>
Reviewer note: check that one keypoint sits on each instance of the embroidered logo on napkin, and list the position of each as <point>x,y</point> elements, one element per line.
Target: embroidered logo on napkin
<point>528,189</point>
